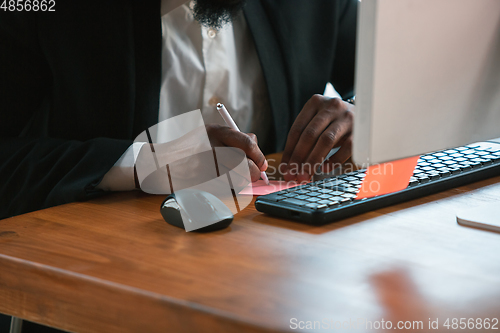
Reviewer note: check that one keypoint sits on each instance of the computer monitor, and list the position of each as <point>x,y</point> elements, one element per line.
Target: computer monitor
<point>427,76</point>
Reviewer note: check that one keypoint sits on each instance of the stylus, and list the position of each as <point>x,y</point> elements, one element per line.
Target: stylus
<point>230,122</point>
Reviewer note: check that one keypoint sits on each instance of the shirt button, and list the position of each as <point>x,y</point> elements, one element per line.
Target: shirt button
<point>213,101</point>
<point>211,33</point>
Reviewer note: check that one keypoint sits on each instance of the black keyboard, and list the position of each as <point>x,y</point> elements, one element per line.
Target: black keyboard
<point>332,199</point>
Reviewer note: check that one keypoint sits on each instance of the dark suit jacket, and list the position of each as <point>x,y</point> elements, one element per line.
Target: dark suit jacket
<point>78,84</point>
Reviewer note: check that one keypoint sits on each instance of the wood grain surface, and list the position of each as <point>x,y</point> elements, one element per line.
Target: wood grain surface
<point>114,265</point>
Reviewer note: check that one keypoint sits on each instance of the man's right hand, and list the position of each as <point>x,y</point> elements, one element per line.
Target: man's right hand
<point>224,136</point>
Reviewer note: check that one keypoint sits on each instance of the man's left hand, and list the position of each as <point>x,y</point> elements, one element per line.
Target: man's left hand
<point>323,123</point>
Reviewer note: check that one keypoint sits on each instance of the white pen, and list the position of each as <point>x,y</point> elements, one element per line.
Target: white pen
<point>230,122</point>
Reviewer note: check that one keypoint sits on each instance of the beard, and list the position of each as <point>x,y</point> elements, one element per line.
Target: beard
<point>216,13</point>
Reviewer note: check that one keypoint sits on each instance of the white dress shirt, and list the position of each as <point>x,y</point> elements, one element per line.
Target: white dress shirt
<point>200,68</point>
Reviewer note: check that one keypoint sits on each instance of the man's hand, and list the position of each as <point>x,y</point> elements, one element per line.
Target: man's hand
<point>323,123</point>
<point>220,135</point>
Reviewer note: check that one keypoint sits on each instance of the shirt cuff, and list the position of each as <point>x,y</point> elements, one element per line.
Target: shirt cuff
<point>121,175</point>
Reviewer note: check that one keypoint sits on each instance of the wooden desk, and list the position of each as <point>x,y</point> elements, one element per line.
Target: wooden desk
<point>113,265</point>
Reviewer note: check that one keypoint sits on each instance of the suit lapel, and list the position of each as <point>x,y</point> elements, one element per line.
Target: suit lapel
<point>273,65</point>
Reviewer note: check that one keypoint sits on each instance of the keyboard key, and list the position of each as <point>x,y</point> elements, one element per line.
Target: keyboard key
<point>333,203</point>
<point>461,149</point>
<point>324,191</point>
<point>348,195</point>
<point>445,158</point>
<point>301,191</point>
<point>461,159</point>
<point>424,179</point>
<point>438,154</point>
<point>444,173</point>
<point>312,205</point>
<point>427,157</point>
<point>334,183</point>
<point>492,157</point>
<point>486,161</point>
<point>439,165</point>
<point>342,187</point>
<point>468,151</point>
<point>290,195</point>
<point>357,182</point>
<point>471,156</point>
<point>338,198</point>
<point>324,202</point>
<point>465,167</point>
<point>428,168</point>
<point>322,206</point>
<point>324,196</point>
<point>433,176</point>
<point>450,162</point>
<point>295,202</point>
<point>450,151</point>
<point>352,190</point>
<point>482,153</point>
<point>454,170</point>
<point>302,197</point>
<point>424,164</point>
<point>313,194</point>
<point>457,155</point>
<point>313,188</point>
<point>350,178</point>
<point>413,182</point>
<point>312,199</point>
<point>474,164</point>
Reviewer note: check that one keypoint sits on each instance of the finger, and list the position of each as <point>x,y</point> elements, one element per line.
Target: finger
<point>336,132</point>
<point>233,138</point>
<point>254,171</point>
<point>340,157</point>
<point>314,136</point>
<point>344,152</point>
<point>253,137</point>
<point>305,116</point>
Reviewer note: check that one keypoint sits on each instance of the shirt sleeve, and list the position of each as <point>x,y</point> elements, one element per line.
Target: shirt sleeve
<point>121,176</point>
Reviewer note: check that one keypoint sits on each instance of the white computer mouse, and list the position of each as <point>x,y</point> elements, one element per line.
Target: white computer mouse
<point>196,210</point>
